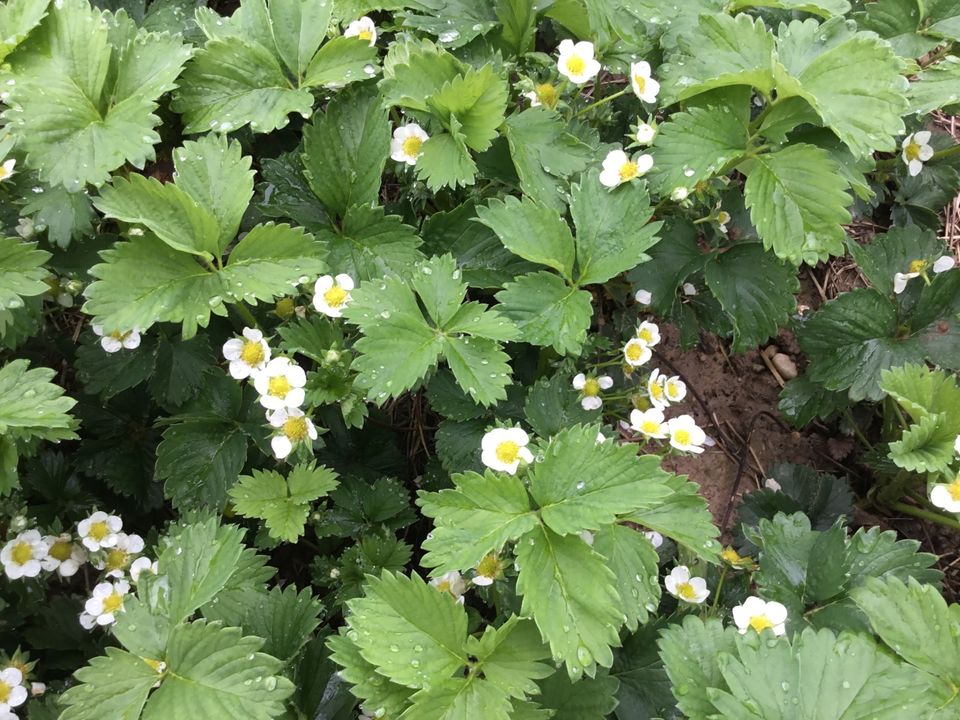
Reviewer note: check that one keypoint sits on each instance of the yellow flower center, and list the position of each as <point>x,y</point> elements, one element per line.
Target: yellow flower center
<point>912,150</point>
<point>650,427</point>
<point>117,559</point>
<point>760,623</point>
<point>117,335</point>
<point>672,389</point>
<point>443,586</point>
<point>490,566</point>
<point>365,35</point>
<point>5,689</point>
<point>634,352</point>
<point>336,296</point>
<point>686,591</point>
<point>641,82</point>
<point>954,489</point>
<point>252,353</point>
<point>285,307</point>
<point>61,550</point>
<point>507,451</point>
<point>22,553</point>
<point>296,429</point>
<point>917,266</point>
<point>576,65</point>
<point>628,171</point>
<point>656,391</point>
<point>645,334</point>
<point>411,146</point>
<point>731,556</point>
<point>4,173</point>
<point>591,388</point>
<point>99,530</point>
<point>546,94</point>
<point>682,437</point>
<point>279,386</point>
<point>113,602</point>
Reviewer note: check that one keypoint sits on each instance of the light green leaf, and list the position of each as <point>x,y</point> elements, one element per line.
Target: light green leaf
<point>299,26</point>
<point>898,22</point>
<point>689,651</point>
<point>683,516</point>
<point>583,485</point>
<point>533,231</point>
<point>477,516</point>
<point>824,8</point>
<point>570,592</point>
<point>375,690</point>
<point>722,51</point>
<point>31,406</point>
<point>421,622</point>
<point>445,162</point>
<point>477,99</point>
<point>115,685</point>
<point>340,61</point>
<point>480,367</point>
<point>459,698</point>
<point>218,178</point>
<point>936,86</point>
<point>548,311</point>
<point>509,657</point>
<point>21,272</point>
<point>613,229</point>
<point>755,289</point>
<point>345,150</point>
<point>413,71</point>
<point>68,216</point>
<point>166,210</point>
<point>926,446</point>
<point>18,18</point>
<point>213,671</point>
<point>797,199</point>
<point>944,18</point>
<point>633,560</point>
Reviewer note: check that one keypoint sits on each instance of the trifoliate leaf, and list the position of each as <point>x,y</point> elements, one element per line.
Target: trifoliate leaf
<point>31,406</point>
<point>633,560</point>
<point>216,672</point>
<point>414,70</point>
<point>21,272</point>
<point>689,651</point>
<point>822,498</point>
<point>863,108</point>
<point>548,311</point>
<point>936,86</point>
<point>477,100</point>
<point>286,619</point>
<point>583,485</point>
<point>345,150</point>
<point>76,121</point>
<point>797,200</point>
<point>445,162</point>
<point>571,594</point>
<point>18,18</point>
<point>684,517</point>
<point>116,684</point>
<point>476,517</point>
<point>613,229</point>
<point>509,656</point>
<point>722,51</point>
<point>755,289</point>
<point>359,506</point>
<point>376,691</point>
<point>412,621</point>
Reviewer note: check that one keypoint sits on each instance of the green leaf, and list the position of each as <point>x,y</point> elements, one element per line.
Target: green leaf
<point>414,70</point>
<point>21,272</point>
<point>755,289</point>
<point>519,21</point>
<point>571,594</point>
<point>480,367</point>
<point>552,405</point>
<point>824,8</point>
<point>689,651</point>
<point>445,162</point>
<point>548,311</point>
<point>509,657</point>
<point>18,18</point>
<point>286,620</point>
<point>944,18</point>
<point>633,560</point>
<point>180,370</point>
<point>111,373</point>
<point>233,82</point>
<point>371,687</point>
<point>802,400</point>
<point>936,86</point>
<point>892,252</point>
<point>797,200</point>
<point>68,216</point>
<point>199,460</point>
<point>459,698</point>
<point>218,178</point>
<point>613,229</point>
<point>822,498</point>
<point>468,20</point>
<point>116,684</point>
<point>533,231</point>
<point>340,61</point>
<point>477,100</point>
<point>77,122</point>
<point>422,623</point>
<point>479,515</point>
<point>584,699</point>
<point>722,51</point>
<point>644,686</point>
<point>166,210</point>
<point>683,516</point>
<point>346,149</point>
<point>214,671</point>
<point>583,485</point>
<point>299,27</point>
<point>31,406</point>
<point>898,22</point>
<point>863,108</point>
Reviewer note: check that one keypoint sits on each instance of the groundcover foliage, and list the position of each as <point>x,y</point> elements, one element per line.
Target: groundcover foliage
<point>333,380</point>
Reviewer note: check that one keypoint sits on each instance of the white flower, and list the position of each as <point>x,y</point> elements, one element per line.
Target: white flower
<point>686,588</point>
<point>946,496</point>
<point>247,356</point>
<point>649,422</point>
<point>649,332</point>
<point>689,289</point>
<point>280,384</point>
<point>916,151</point>
<point>364,29</point>
<point>590,390</point>
<point>142,565</point>
<point>679,193</point>
<point>6,170</point>
<point>332,294</point>
<point>533,98</point>
<point>644,297</point>
<point>645,133</point>
<point>636,352</point>
<point>685,435</point>
<point>8,715</point>
<point>772,484</point>
<point>723,217</point>
<point>504,448</point>
<point>451,583</point>
<point>656,391</point>
<point>900,281</point>
<point>758,614</point>
<point>26,228</point>
<point>619,168</point>
<point>117,559</point>
<point>488,570</point>
<point>956,445</point>
<point>655,538</point>
<point>407,143</point>
<point>99,531</point>
<point>12,691</point>
<point>576,61</point>
<point>674,389</point>
<point>104,604</point>
<point>295,428</point>
<point>63,555</point>
<point>115,341</point>
<point>918,268</point>
<point>644,86</point>
<point>22,556</point>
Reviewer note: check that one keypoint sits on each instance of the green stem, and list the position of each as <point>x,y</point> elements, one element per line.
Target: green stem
<point>716,597</point>
<point>926,515</point>
<point>244,312</point>
<point>600,102</point>
<point>856,429</point>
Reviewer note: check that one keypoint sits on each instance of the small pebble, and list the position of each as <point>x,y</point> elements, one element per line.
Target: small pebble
<point>785,366</point>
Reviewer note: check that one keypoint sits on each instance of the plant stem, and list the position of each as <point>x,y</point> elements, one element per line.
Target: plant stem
<point>856,429</point>
<point>600,102</point>
<point>926,515</point>
<point>244,312</point>
<point>716,597</point>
